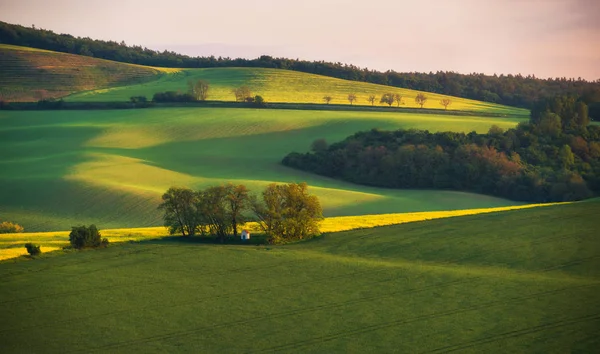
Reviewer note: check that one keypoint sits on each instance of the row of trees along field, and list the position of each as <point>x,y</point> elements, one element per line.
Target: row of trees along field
<point>553,157</point>
<point>391,98</point>
<point>199,91</point>
<point>512,90</point>
<point>284,212</point>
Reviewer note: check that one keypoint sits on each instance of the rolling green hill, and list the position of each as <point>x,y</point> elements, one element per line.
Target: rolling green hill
<point>276,85</point>
<point>61,168</point>
<point>30,74</point>
<point>508,282</point>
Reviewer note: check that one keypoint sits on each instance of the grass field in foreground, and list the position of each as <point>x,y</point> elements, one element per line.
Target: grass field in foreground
<point>508,282</point>
<point>63,168</point>
<point>30,74</point>
<point>276,85</point>
<point>12,245</point>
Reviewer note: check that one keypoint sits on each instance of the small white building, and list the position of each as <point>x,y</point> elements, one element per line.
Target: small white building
<point>245,235</point>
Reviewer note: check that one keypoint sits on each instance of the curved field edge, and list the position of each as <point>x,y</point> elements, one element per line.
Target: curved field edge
<point>11,245</point>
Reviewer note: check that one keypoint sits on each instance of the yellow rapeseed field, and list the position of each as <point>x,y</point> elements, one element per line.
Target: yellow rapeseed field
<point>12,245</point>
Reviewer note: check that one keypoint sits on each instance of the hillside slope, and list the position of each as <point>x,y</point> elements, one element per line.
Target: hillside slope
<point>110,167</point>
<point>277,85</point>
<point>32,74</point>
<point>509,282</point>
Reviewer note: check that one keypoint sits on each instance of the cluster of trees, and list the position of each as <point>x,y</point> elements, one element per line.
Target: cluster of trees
<point>86,237</point>
<point>284,212</point>
<point>244,94</point>
<point>513,90</point>
<point>197,91</point>
<point>553,157</point>
<point>7,227</point>
<point>173,96</point>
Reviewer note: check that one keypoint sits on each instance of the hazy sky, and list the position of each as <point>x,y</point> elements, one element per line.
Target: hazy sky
<point>547,38</point>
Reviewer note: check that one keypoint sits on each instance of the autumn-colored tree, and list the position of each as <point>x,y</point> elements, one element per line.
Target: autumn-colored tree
<point>371,99</point>
<point>398,98</point>
<point>388,98</point>
<point>352,98</point>
<point>242,93</point>
<point>421,99</point>
<point>198,89</point>
<point>445,102</point>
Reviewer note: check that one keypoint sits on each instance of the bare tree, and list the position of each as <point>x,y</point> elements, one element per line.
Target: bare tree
<point>372,100</point>
<point>398,98</point>
<point>352,98</point>
<point>445,102</point>
<point>421,99</point>
<point>199,89</point>
<point>242,93</point>
<point>327,99</point>
<point>387,98</point>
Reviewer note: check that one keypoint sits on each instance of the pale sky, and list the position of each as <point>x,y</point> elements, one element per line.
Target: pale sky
<point>546,38</point>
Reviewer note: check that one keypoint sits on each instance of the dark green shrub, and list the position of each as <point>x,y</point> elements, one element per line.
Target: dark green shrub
<point>84,237</point>
<point>104,242</point>
<point>32,249</point>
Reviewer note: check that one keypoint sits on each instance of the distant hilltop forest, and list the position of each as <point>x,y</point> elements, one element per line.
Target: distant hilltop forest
<point>512,90</point>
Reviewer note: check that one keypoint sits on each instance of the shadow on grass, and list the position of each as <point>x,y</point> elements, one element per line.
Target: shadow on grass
<point>255,240</point>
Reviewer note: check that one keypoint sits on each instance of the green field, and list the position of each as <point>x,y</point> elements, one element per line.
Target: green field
<point>465,284</point>
<point>61,168</point>
<point>30,74</point>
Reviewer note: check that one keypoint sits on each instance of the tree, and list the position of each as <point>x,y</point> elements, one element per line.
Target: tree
<point>7,227</point>
<point>445,102</point>
<point>371,99</point>
<point>212,206</point>
<point>351,98</point>
<point>495,130</point>
<point>242,93</point>
<point>319,145</point>
<point>388,98</point>
<point>180,211</point>
<point>287,212</point>
<point>259,101</point>
<point>238,200</point>
<point>32,249</point>
<point>84,237</point>
<point>566,157</point>
<point>398,98</point>
<point>421,99</point>
<point>327,99</point>
<point>199,89</point>
<point>138,99</point>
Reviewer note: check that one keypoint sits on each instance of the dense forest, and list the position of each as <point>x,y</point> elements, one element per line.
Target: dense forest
<point>512,90</point>
<point>553,157</point>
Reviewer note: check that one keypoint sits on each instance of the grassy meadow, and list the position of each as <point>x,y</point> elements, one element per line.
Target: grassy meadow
<point>30,74</point>
<point>63,168</point>
<point>514,281</point>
